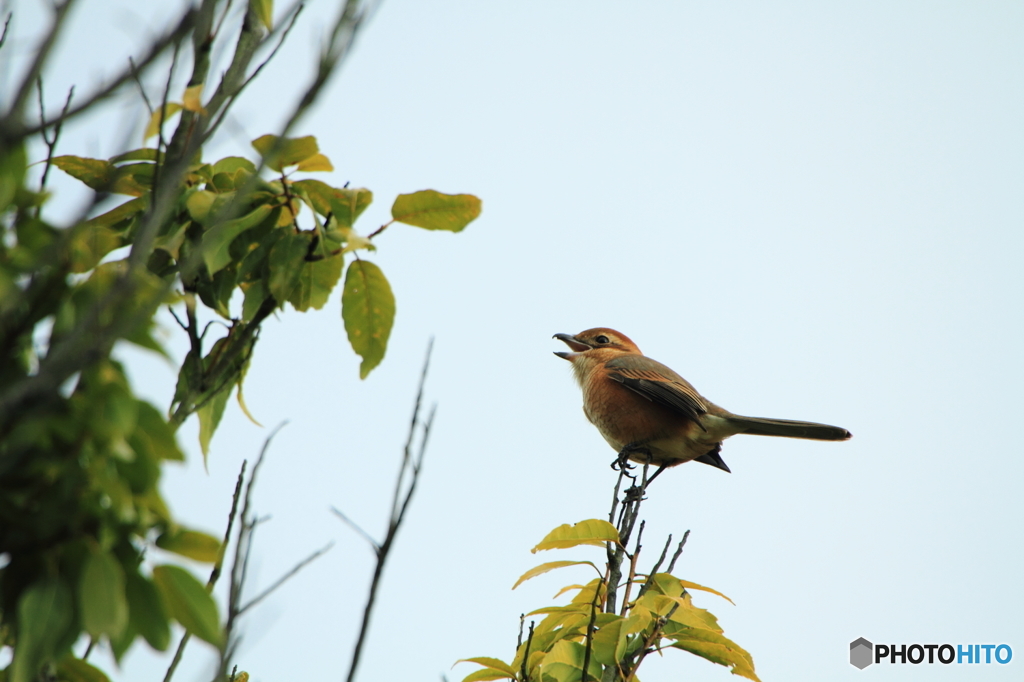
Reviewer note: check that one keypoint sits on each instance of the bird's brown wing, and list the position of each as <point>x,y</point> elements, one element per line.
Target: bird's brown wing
<point>657,383</point>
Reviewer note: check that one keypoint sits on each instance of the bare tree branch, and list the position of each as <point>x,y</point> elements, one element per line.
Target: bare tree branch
<point>35,69</point>
<point>399,505</point>
<point>13,128</point>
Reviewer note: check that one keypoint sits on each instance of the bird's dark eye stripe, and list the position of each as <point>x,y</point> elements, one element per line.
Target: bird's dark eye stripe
<point>602,339</point>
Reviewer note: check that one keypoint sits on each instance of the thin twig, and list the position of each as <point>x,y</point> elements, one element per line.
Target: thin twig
<point>51,143</point>
<point>399,506</point>
<point>632,569</point>
<point>679,550</point>
<point>590,633</point>
<point>12,127</point>
<point>7,23</point>
<point>294,12</point>
<point>654,570</point>
<point>354,526</point>
<point>35,69</point>
<point>215,573</point>
<point>287,576</point>
<point>142,88</point>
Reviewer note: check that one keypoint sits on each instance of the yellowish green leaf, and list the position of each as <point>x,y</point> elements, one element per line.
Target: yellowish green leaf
<point>159,117</point>
<point>317,162</point>
<point>316,281</point>
<point>487,662</point>
<point>97,174</point>
<point>368,310</point>
<point>146,611</point>
<point>191,544</point>
<point>714,647</point>
<point>209,418</point>
<point>45,616</point>
<point>694,586</point>
<point>216,240</point>
<point>433,210</point>
<point>550,566</point>
<point>71,669</point>
<point>122,212</point>
<point>590,532</point>
<point>101,596</point>
<point>292,151</point>
<point>89,243</point>
<point>189,602</point>
<point>287,259</point>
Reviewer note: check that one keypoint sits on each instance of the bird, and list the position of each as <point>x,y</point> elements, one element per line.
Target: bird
<point>651,415</point>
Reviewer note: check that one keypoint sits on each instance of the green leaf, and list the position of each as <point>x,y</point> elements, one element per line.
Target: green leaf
<point>435,211</point>
<point>88,245</point>
<point>610,641</point>
<point>146,612</point>
<point>694,586</point>
<point>122,212</point>
<point>231,164</point>
<point>368,309</point>
<point>172,241</point>
<point>209,418</point>
<point>495,663</point>
<point>71,669</point>
<point>217,240</point>
<point>95,173</point>
<point>45,617</point>
<point>287,259</point>
<point>345,205</point>
<point>293,150</point>
<point>317,162</point>
<point>487,674</point>
<point>264,10</point>
<point>714,647</point>
<point>316,281</point>
<point>101,596</point>
<point>590,532</point>
<point>190,543</point>
<point>199,204</point>
<point>255,294</point>
<point>143,154</point>
<point>550,566</point>
<point>564,662</point>
<point>154,435</point>
<point>189,602</point>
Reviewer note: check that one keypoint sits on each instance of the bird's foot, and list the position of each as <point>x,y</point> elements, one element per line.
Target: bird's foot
<point>621,462</point>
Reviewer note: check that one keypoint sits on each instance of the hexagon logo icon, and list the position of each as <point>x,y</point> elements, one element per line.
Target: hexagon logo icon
<point>861,653</point>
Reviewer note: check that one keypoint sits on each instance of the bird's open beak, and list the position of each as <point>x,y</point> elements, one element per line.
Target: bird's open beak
<point>570,341</point>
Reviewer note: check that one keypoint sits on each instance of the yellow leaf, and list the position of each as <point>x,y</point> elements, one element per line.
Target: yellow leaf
<point>193,99</point>
<point>550,566</point>
<point>694,586</point>
<point>159,117</point>
<point>318,162</point>
<point>487,662</point>
<point>590,532</point>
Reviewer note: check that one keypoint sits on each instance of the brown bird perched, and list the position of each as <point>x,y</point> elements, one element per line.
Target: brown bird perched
<point>651,415</point>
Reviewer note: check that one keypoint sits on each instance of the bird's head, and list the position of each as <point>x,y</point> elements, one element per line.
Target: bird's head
<point>599,339</point>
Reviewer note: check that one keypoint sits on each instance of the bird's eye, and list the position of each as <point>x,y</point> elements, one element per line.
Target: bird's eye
<point>602,339</point>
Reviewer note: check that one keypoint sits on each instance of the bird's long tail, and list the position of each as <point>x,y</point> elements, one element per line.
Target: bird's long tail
<point>787,428</point>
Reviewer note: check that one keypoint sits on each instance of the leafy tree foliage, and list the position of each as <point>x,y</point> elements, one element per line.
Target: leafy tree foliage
<point>80,454</point>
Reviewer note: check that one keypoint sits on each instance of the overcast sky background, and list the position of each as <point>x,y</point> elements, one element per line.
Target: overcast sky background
<point>810,210</point>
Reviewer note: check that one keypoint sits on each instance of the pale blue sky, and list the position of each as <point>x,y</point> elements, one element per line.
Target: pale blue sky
<point>810,210</point>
